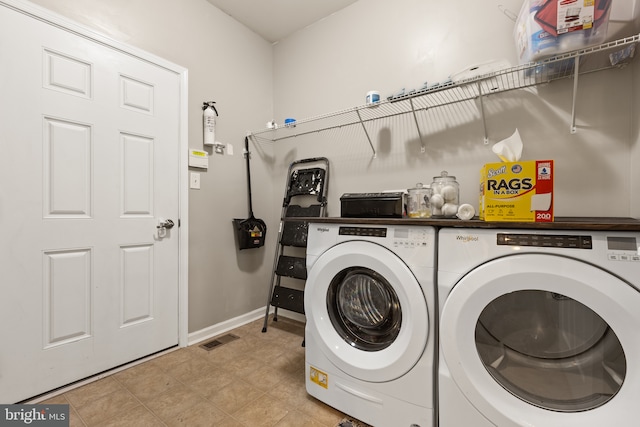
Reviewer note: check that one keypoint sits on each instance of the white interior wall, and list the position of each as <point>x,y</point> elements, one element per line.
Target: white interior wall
<point>231,65</point>
<point>329,66</point>
<point>635,139</point>
<point>386,46</point>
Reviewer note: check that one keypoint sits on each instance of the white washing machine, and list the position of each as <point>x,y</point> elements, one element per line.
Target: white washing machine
<point>370,306</point>
<point>538,328</point>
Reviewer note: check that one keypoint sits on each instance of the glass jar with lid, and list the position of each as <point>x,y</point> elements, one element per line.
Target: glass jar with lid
<point>418,205</point>
<point>446,196</point>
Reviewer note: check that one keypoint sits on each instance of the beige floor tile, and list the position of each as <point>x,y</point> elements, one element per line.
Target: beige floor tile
<point>106,407</point>
<point>146,381</point>
<point>291,392</point>
<point>244,366</point>
<point>138,417</point>
<point>242,345</point>
<point>257,380</point>
<point>266,411</point>
<point>172,359</point>
<point>248,329</point>
<point>234,396</point>
<point>272,337</point>
<point>234,354</point>
<point>271,351</point>
<point>223,355</point>
<point>288,325</point>
<point>202,414</point>
<point>298,419</point>
<point>231,422</point>
<point>290,361</point>
<point>190,369</point>
<point>60,399</point>
<point>320,412</point>
<point>211,381</point>
<point>92,391</point>
<point>74,418</point>
<point>176,400</point>
<point>265,378</point>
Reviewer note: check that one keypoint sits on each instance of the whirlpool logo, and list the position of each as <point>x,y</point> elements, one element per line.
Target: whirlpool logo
<point>323,229</point>
<point>468,238</point>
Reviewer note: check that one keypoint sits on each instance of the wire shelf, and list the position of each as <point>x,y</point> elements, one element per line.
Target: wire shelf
<point>568,65</point>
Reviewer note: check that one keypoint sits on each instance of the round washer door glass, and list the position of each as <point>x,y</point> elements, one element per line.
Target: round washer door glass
<point>364,309</point>
<point>550,350</point>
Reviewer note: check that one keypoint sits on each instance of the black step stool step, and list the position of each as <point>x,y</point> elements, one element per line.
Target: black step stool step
<point>290,266</point>
<point>289,299</point>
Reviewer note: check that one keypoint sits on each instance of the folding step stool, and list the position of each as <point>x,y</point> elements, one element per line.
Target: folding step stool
<point>307,186</point>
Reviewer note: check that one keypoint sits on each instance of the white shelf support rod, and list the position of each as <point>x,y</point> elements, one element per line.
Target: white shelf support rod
<point>484,121</point>
<point>415,118</point>
<point>575,94</point>
<point>366,133</point>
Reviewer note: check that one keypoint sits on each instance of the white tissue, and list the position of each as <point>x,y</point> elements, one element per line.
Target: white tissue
<point>510,149</point>
<point>466,211</point>
<point>541,202</point>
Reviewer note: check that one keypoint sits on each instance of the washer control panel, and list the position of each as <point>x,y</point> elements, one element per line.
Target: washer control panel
<point>401,237</point>
<point>363,231</point>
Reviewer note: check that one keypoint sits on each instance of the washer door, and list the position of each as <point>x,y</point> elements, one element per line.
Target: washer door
<point>366,310</point>
<point>536,339</point>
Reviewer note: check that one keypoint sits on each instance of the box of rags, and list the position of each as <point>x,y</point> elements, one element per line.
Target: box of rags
<point>517,191</point>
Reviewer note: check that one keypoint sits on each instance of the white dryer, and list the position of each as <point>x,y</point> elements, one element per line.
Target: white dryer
<point>370,305</point>
<point>538,328</point>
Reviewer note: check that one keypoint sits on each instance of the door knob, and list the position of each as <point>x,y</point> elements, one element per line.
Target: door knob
<point>168,224</point>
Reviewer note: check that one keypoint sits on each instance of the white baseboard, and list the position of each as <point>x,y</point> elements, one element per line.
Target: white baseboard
<point>226,326</point>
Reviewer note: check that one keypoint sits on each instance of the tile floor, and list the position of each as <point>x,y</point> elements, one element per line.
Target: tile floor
<point>254,381</point>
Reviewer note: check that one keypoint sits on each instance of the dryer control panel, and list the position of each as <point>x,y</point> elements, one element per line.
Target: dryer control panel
<point>545,240</point>
<point>619,248</point>
<point>622,248</point>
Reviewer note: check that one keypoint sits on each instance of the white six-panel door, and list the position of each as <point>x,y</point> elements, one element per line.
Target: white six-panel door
<point>89,165</point>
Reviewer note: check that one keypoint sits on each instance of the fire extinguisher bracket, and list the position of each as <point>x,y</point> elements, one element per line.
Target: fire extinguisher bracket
<point>209,114</point>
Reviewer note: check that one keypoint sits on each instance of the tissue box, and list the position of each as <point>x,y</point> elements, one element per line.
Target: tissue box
<point>547,28</point>
<point>517,191</point>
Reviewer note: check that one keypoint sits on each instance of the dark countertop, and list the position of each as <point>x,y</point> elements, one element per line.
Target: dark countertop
<point>560,223</point>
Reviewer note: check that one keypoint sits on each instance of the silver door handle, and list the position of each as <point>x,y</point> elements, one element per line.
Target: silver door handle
<point>168,224</point>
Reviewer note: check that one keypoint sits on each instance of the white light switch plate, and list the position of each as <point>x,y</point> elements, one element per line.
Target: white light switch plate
<point>195,180</point>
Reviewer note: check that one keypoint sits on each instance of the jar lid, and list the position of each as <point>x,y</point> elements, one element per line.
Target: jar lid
<point>421,186</point>
<point>445,175</point>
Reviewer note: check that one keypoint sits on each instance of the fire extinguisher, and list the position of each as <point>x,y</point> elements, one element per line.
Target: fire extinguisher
<point>209,121</point>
